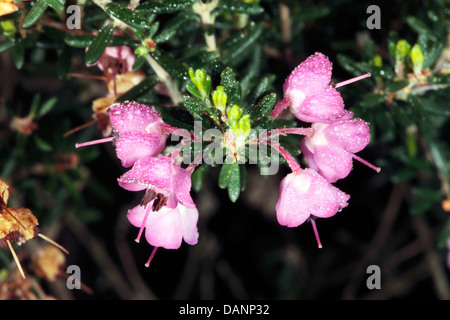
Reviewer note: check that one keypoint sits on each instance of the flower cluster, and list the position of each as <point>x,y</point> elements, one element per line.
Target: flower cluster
<point>329,147</point>
<point>167,211</point>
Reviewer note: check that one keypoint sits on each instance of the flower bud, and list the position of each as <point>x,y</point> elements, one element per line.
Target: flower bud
<point>416,56</point>
<point>402,49</point>
<point>234,113</point>
<point>219,98</point>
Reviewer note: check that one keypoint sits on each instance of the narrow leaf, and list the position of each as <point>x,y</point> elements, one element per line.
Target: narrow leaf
<point>225,174</point>
<point>35,13</point>
<point>98,46</point>
<point>127,16</point>
<point>234,186</point>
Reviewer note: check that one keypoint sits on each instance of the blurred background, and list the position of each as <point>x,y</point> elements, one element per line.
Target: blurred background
<point>396,219</point>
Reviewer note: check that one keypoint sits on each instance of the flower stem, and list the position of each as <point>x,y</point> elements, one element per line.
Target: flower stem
<point>283,131</point>
<point>90,143</point>
<point>343,83</point>
<point>165,78</point>
<point>295,167</point>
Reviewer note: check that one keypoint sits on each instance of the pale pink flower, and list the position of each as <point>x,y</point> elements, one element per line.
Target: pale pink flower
<point>166,227</point>
<point>330,149</point>
<point>308,93</point>
<point>306,194</point>
<point>140,131</point>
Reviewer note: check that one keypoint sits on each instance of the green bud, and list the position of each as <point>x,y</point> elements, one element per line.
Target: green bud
<point>377,61</point>
<point>201,80</point>
<point>8,27</point>
<point>234,113</point>
<point>141,50</point>
<point>245,124</point>
<point>402,49</point>
<point>416,56</point>
<point>219,98</point>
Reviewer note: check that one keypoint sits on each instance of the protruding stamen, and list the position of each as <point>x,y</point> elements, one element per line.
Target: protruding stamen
<point>141,229</point>
<point>147,264</point>
<point>316,233</point>
<point>90,143</point>
<point>90,123</point>
<point>16,259</point>
<point>377,169</point>
<point>343,83</point>
<point>53,243</point>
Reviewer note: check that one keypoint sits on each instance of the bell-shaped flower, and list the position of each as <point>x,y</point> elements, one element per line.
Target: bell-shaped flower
<point>161,175</point>
<point>331,148</point>
<point>306,194</point>
<point>308,93</point>
<point>166,227</point>
<point>140,131</point>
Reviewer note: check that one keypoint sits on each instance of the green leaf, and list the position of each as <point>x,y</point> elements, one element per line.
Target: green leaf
<point>35,13</point>
<point>372,100</point>
<point>18,53</point>
<point>56,4</point>
<point>392,86</point>
<point>172,66</point>
<point>240,7</point>
<point>41,144</point>
<point>198,176</point>
<point>139,90</point>
<point>99,44</point>
<point>164,36</point>
<point>244,177</point>
<point>47,106</point>
<point>84,41</point>
<point>127,16</point>
<point>166,6</point>
<point>243,45</point>
<point>6,45</point>
<point>234,185</point>
<point>263,107</point>
<point>224,176</point>
<point>64,61</point>
<point>194,107</point>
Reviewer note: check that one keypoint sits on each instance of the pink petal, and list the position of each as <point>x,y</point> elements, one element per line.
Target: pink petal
<point>311,75</point>
<point>136,215</point>
<point>133,116</point>
<point>151,172</point>
<point>333,162</point>
<point>132,146</point>
<point>182,187</point>
<point>324,106</point>
<point>307,193</point>
<point>189,219</point>
<point>164,228</point>
<point>352,135</point>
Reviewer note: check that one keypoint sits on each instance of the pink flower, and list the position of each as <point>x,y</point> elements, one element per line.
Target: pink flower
<point>330,149</point>
<point>166,227</point>
<point>140,129</point>
<point>139,132</point>
<point>305,194</point>
<point>308,94</point>
<point>162,176</point>
<point>116,60</point>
